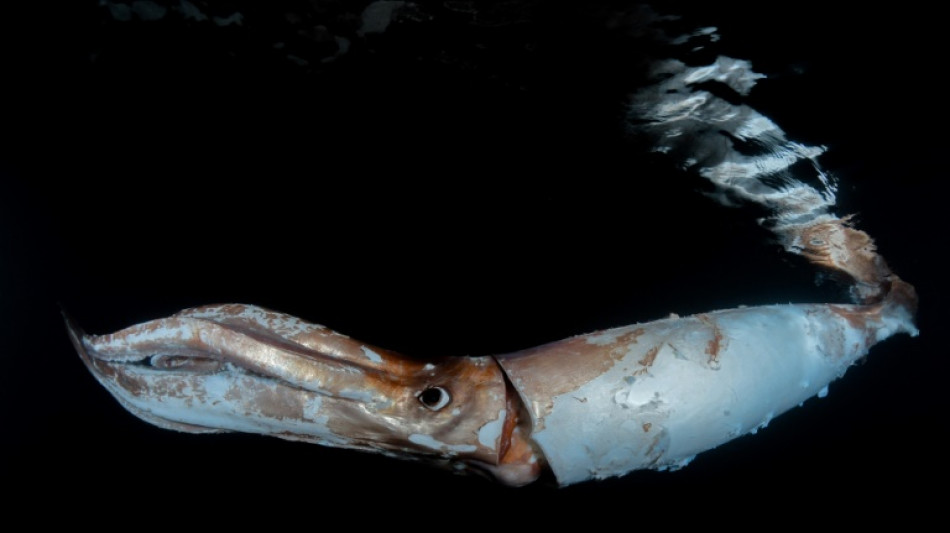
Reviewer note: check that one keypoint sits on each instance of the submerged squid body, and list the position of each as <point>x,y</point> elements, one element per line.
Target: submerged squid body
<point>655,395</point>
<point>593,406</point>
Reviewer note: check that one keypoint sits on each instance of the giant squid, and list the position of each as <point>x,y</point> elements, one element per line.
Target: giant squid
<point>645,396</point>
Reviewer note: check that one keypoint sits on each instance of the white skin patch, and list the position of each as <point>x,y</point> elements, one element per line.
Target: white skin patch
<point>122,346</point>
<point>282,324</point>
<point>208,403</point>
<point>311,410</point>
<point>489,434</point>
<point>429,442</point>
<point>603,339</point>
<point>364,396</point>
<point>371,355</point>
<point>218,385</point>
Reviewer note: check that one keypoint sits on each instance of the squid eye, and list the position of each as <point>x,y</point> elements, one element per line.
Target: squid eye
<point>434,398</point>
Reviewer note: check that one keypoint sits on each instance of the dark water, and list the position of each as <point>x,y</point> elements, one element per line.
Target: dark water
<point>459,184</point>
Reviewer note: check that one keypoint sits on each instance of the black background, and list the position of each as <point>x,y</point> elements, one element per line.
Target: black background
<point>409,195</point>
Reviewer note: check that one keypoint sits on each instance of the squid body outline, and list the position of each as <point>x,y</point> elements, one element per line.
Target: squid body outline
<point>592,406</point>
<point>645,396</point>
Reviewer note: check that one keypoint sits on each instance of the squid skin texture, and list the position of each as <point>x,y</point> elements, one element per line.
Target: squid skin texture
<point>645,396</point>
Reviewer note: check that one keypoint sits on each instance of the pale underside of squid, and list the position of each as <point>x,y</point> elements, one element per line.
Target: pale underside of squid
<point>646,396</point>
